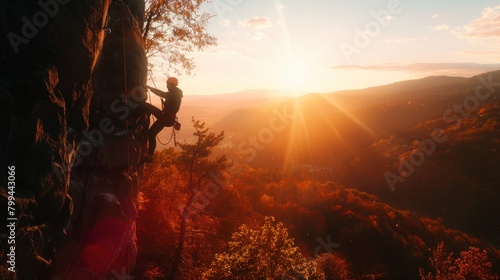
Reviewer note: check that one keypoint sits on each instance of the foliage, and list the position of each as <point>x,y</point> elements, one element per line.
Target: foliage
<point>472,264</point>
<point>162,190</point>
<point>335,266</point>
<point>175,28</point>
<point>195,157</point>
<point>377,239</point>
<point>175,183</point>
<point>457,181</point>
<point>266,253</point>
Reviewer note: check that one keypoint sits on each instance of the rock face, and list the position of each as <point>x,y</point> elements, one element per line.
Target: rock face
<point>73,128</point>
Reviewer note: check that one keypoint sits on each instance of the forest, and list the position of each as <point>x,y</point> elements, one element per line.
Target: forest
<point>205,216</point>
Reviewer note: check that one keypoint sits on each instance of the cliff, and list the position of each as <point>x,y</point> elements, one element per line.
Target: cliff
<point>73,129</point>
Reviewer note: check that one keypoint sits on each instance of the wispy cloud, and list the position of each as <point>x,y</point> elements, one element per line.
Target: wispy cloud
<point>401,40</point>
<point>257,36</point>
<point>441,27</point>
<point>225,22</point>
<point>444,68</point>
<point>484,31</point>
<point>434,16</point>
<point>224,50</point>
<point>492,55</point>
<point>487,26</point>
<point>256,22</point>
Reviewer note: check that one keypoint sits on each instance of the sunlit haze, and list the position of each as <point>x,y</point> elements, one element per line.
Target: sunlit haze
<point>324,46</point>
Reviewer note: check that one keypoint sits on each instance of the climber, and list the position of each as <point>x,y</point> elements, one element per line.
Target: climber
<point>165,118</point>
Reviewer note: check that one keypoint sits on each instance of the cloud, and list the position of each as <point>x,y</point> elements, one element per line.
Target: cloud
<point>225,22</point>
<point>401,40</point>
<point>388,18</point>
<point>483,31</point>
<point>487,26</point>
<point>434,16</point>
<point>257,36</point>
<point>441,27</point>
<point>224,50</point>
<point>425,67</point>
<point>493,55</point>
<point>256,22</point>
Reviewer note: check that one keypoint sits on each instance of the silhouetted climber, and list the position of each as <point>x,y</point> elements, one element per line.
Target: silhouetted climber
<point>167,117</point>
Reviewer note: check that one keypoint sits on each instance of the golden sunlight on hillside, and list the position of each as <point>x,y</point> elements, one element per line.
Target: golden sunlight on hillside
<point>327,117</point>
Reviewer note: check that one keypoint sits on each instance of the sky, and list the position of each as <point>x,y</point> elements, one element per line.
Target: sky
<point>324,46</point>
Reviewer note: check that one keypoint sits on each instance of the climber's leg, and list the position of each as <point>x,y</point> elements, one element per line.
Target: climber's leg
<point>151,109</point>
<point>153,131</point>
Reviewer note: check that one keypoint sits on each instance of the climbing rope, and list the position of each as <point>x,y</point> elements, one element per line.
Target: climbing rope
<point>129,178</point>
<point>173,135</point>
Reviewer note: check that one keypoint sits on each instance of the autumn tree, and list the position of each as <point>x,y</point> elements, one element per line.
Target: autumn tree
<point>162,188</point>
<point>204,179</point>
<point>335,266</point>
<point>472,264</point>
<point>175,28</point>
<point>265,253</point>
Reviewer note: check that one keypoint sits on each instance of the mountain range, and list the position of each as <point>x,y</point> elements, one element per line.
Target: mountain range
<point>419,161</point>
<point>355,137</point>
<point>325,129</point>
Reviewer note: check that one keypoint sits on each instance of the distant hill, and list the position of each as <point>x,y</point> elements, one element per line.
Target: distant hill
<point>376,237</point>
<point>327,129</point>
<point>226,99</point>
<point>357,136</point>
<point>407,86</point>
<point>212,108</point>
<point>457,180</point>
<point>324,142</point>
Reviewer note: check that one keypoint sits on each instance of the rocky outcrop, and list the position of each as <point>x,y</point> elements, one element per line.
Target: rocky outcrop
<point>73,128</point>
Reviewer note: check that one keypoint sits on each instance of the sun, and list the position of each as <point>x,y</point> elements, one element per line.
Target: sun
<point>294,75</point>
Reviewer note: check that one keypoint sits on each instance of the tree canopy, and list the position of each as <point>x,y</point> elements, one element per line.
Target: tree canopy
<point>472,264</point>
<point>266,253</point>
<point>175,28</point>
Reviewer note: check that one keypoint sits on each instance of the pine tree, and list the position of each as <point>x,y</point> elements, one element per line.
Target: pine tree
<point>202,170</point>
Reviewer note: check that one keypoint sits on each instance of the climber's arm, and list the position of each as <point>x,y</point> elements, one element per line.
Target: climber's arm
<point>156,91</point>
